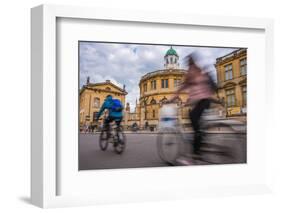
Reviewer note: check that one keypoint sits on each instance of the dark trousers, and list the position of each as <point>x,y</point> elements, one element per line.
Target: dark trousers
<point>108,120</point>
<point>195,115</point>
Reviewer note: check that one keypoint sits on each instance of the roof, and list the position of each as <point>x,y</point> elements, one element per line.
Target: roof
<point>171,51</point>
<point>231,55</point>
<point>163,72</point>
<point>94,86</point>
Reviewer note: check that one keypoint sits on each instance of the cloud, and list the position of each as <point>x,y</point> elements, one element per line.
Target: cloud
<point>126,63</point>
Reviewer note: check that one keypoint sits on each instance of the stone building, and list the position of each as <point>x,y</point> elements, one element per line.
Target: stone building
<point>232,82</point>
<point>131,117</point>
<point>92,96</point>
<point>159,86</point>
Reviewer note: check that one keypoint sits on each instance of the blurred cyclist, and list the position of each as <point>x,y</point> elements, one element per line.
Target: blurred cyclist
<point>200,88</point>
<point>115,108</point>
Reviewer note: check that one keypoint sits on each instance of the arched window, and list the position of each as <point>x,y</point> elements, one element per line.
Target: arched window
<point>107,88</point>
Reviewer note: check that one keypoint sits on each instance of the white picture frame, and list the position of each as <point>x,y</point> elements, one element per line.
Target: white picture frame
<point>44,149</point>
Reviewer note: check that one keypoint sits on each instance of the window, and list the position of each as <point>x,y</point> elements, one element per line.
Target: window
<point>145,87</point>
<point>153,113</point>
<point>228,72</point>
<point>171,60</point>
<point>96,103</point>
<point>243,66</point>
<point>177,82</point>
<point>244,95</point>
<point>107,88</point>
<point>153,85</point>
<point>230,97</point>
<point>164,83</point>
<point>167,61</point>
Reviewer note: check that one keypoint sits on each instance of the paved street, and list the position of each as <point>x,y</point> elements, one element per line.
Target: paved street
<point>141,151</point>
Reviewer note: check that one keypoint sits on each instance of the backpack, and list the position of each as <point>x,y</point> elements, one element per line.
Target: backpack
<point>116,105</point>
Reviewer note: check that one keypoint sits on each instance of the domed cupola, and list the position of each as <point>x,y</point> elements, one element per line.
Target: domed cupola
<point>171,59</point>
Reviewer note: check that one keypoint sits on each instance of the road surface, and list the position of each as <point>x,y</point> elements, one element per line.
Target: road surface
<point>141,151</point>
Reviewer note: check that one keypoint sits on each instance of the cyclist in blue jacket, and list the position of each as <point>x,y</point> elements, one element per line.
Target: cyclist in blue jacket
<point>115,108</point>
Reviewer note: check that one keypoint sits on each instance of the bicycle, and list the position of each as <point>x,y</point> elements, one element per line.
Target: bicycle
<point>115,136</point>
<point>173,142</point>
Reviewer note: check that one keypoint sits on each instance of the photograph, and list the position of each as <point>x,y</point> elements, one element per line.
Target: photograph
<point>161,105</point>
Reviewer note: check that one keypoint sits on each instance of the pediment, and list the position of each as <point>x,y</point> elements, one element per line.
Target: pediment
<point>244,81</point>
<point>229,84</point>
<point>106,86</point>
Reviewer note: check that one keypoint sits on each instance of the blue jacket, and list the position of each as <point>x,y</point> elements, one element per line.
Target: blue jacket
<point>107,105</point>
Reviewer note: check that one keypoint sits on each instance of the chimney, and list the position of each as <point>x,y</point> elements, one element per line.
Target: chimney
<point>88,80</point>
<point>107,81</point>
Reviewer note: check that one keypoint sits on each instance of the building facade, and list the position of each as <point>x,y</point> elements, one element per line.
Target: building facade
<point>92,96</point>
<point>159,86</point>
<point>232,82</point>
<point>131,117</point>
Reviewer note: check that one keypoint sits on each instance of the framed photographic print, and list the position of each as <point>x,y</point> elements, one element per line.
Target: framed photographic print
<point>147,105</point>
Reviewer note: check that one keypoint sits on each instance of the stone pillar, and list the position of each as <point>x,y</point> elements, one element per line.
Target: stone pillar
<point>238,95</point>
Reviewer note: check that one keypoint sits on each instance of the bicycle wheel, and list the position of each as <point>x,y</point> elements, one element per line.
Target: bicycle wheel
<point>222,144</point>
<point>121,142</point>
<point>103,141</point>
<point>168,146</point>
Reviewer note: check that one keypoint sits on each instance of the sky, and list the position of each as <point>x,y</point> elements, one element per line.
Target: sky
<point>125,64</point>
